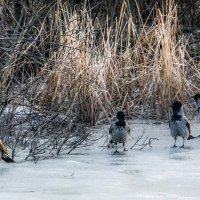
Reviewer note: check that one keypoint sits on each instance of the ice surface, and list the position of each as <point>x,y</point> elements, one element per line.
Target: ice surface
<point>95,173</point>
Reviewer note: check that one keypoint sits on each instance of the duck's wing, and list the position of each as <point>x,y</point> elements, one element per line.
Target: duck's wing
<point>128,128</point>
<point>187,123</point>
<point>188,126</point>
<point>111,128</point>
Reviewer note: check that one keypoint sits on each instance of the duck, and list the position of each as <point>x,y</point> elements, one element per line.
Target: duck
<point>4,153</point>
<point>179,124</point>
<point>119,131</point>
<point>196,97</point>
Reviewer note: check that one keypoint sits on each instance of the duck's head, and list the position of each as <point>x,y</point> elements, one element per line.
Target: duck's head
<point>121,115</point>
<point>176,106</point>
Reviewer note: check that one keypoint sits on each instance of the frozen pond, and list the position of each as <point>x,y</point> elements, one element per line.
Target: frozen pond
<point>95,173</point>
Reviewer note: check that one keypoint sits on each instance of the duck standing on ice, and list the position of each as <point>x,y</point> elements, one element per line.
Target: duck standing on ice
<point>179,124</point>
<point>119,130</point>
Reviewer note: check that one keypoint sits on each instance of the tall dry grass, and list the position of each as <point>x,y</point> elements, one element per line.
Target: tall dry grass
<point>138,69</point>
<point>98,69</point>
<point>62,69</point>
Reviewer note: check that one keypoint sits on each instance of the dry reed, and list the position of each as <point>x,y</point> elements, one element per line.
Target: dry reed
<point>87,71</point>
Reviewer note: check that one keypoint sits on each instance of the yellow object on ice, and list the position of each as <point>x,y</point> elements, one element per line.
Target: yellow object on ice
<point>3,148</point>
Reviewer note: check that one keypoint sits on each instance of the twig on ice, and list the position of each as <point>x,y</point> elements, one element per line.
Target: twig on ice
<point>146,142</point>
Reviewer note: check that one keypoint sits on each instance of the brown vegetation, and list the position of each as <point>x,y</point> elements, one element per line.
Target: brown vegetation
<point>86,62</point>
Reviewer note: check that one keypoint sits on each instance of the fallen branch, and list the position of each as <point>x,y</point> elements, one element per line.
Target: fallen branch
<point>146,141</point>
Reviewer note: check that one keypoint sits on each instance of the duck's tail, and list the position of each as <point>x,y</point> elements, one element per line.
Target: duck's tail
<point>193,137</point>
